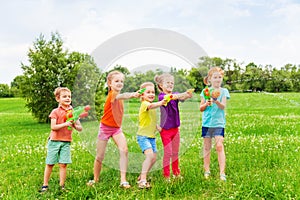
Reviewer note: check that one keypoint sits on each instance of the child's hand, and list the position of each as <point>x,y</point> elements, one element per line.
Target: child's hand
<point>208,102</point>
<point>158,128</point>
<point>136,95</point>
<point>69,123</point>
<point>164,102</point>
<point>189,94</point>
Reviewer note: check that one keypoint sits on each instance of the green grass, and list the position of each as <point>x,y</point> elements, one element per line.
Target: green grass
<point>262,144</point>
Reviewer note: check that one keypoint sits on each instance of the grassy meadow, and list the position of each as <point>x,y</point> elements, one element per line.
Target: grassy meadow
<point>262,145</point>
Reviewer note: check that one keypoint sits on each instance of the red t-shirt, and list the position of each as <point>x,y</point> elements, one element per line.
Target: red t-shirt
<point>62,134</point>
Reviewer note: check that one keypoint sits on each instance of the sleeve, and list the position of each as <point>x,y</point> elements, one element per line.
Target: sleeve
<point>201,94</point>
<point>226,93</point>
<point>161,96</point>
<point>53,114</point>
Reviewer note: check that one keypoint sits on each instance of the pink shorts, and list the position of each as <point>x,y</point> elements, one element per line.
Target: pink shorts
<point>105,132</point>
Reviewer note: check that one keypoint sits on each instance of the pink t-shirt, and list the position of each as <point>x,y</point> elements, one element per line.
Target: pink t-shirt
<point>62,134</point>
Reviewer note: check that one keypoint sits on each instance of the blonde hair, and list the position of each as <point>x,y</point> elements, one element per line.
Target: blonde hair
<point>144,85</point>
<point>111,75</point>
<point>58,91</point>
<point>210,73</point>
<point>159,79</point>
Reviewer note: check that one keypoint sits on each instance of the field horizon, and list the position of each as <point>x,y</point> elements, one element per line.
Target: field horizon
<point>262,145</point>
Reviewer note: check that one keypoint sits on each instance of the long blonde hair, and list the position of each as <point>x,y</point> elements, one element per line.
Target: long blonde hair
<point>210,73</point>
<point>159,79</point>
<point>111,75</point>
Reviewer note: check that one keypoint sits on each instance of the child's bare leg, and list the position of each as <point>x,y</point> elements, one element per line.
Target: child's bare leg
<point>120,141</point>
<point>47,173</point>
<point>206,153</point>
<point>221,153</point>
<point>62,174</point>
<point>148,163</point>
<point>101,146</point>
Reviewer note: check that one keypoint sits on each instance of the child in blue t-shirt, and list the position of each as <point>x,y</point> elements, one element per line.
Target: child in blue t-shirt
<point>213,104</point>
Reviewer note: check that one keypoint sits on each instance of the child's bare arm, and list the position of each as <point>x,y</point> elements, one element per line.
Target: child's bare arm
<point>157,104</point>
<point>77,126</point>
<point>221,104</point>
<point>128,95</point>
<point>56,127</point>
<point>182,96</point>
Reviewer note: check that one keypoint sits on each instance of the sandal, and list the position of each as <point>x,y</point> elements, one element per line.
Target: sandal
<point>223,177</point>
<point>43,189</point>
<point>125,185</point>
<point>143,184</point>
<point>91,183</point>
<point>206,175</point>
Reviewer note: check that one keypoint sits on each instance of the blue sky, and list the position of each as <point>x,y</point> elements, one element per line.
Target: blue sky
<point>265,32</point>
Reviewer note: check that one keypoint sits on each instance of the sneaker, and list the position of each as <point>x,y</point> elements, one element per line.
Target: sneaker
<point>223,177</point>
<point>44,189</point>
<point>206,175</point>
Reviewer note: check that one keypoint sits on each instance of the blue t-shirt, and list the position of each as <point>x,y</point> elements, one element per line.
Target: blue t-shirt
<point>213,116</point>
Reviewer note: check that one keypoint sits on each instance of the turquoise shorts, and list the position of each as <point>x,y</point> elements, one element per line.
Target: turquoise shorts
<point>58,152</point>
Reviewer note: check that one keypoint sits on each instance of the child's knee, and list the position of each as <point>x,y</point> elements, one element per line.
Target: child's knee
<point>123,151</point>
<point>62,166</point>
<point>99,158</point>
<point>219,147</point>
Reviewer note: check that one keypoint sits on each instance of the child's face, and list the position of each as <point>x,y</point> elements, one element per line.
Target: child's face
<point>64,98</point>
<point>149,94</point>
<point>117,82</point>
<point>168,85</point>
<point>216,79</point>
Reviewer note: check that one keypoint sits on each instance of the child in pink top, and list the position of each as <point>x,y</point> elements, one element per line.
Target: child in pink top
<point>60,138</point>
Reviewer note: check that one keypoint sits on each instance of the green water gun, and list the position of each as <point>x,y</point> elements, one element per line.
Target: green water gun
<point>76,113</point>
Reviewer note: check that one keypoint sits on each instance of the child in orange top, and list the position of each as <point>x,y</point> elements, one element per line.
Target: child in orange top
<point>110,126</point>
<point>59,150</point>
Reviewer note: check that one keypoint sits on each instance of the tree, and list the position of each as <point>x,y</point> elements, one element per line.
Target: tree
<point>4,90</point>
<point>15,86</point>
<point>50,67</point>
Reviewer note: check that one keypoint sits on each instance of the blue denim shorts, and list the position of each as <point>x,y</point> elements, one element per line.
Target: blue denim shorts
<point>58,152</point>
<point>212,132</point>
<point>147,143</point>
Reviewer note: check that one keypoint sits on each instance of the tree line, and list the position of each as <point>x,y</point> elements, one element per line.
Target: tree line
<point>50,66</point>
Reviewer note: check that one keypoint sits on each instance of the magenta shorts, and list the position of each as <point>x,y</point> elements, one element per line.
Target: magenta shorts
<point>105,132</point>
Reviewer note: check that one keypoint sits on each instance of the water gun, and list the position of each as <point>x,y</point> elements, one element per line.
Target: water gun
<point>215,94</point>
<point>76,113</point>
<point>141,91</point>
<point>168,98</point>
<point>207,93</point>
<point>190,90</point>
<point>211,93</point>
